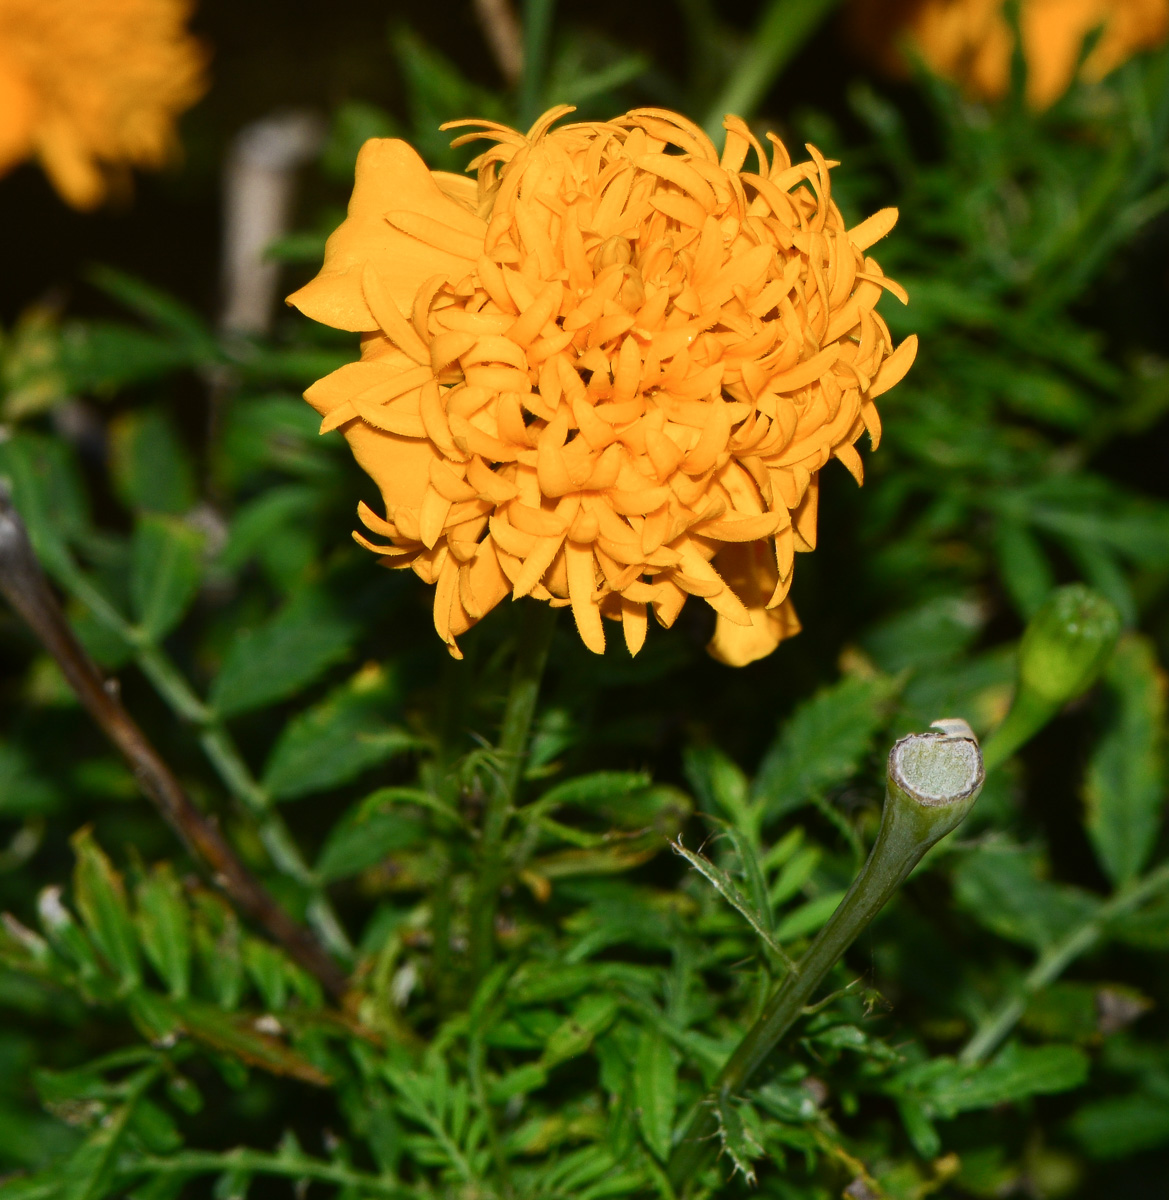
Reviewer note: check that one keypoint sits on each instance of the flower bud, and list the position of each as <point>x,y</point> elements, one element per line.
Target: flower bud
<point>1067,644</point>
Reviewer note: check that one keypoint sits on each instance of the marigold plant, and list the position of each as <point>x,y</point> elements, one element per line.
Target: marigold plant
<point>971,41</point>
<point>606,372</point>
<point>91,87</point>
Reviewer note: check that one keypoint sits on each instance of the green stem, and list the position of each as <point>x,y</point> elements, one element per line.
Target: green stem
<point>1056,959</point>
<point>933,781</point>
<point>785,27</point>
<point>535,638</point>
<point>253,1162</point>
<point>537,35</point>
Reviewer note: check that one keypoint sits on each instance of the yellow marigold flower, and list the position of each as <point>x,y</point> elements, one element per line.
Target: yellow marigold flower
<point>90,87</point>
<point>971,41</point>
<point>606,372</point>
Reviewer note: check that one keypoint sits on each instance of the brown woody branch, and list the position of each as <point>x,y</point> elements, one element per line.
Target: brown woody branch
<point>23,583</point>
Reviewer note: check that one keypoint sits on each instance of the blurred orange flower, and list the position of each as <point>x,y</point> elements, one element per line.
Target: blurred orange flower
<point>606,372</point>
<point>90,87</point>
<point>971,41</point>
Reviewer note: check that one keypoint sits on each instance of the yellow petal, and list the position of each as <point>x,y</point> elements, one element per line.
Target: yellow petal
<point>388,171</point>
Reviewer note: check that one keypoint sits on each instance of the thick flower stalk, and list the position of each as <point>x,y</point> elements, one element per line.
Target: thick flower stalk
<point>605,372</point>
<point>92,87</point>
<point>971,41</point>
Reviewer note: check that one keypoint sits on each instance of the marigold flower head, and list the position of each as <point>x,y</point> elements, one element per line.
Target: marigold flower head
<point>605,372</point>
<point>90,87</point>
<point>971,41</point>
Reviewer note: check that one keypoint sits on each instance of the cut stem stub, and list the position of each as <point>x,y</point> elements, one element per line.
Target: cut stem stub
<point>932,782</point>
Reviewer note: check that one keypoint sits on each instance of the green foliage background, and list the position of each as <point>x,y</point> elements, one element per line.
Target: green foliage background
<point>151,1045</point>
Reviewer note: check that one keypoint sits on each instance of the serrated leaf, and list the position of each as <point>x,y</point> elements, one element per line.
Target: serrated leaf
<point>155,1128</point>
<point>944,1087</point>
<point>165,569</point>
<point>366,834</point>
<point>739,1142</point>
<point>999,887</point>
<point>164,927</point>
<point>590,1017</point>
<point>100,896</point>
<point>1125,789</point>
<point>758,918</point>
<point>86,1174</point>
<point>339,738</point>
<point>267,968</point>
<point>237,1037</point>
<point>822,745</point>
<point>149,467</point>
<point>218,944</point>
<point>937,631</point>
<point>655,1082</point>
<point>283,655</point>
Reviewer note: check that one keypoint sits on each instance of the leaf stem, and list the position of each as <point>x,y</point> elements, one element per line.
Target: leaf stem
<point>1057,958</point>
<point>194,1162</point>
<point>933,780</point>
<point>535,638</point>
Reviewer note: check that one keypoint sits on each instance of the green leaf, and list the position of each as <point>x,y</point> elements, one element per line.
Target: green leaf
<point>1122,1125</point>
<point>590,1018</point>
<point>808,917</point>
<point>365,835</point>
<point>237,1037</point>
<point>283,655</point>
<point>600,790</point>
<point>23,793</point>
<point>86,1174</point>
<point>944,1087</point>
<point>339,738</point>
<point>1024,566</point>
<point>100,357</point>
<point>999,887</point>
<point>158,307</point>
<point>48,493</point>
<point>268,969</point>
<point>937,631</point>
<point>656,1087</point>
<point>219,949</point>
<point>149,467</point>
<point>270,433</point>
<point>165,569</point>
<point>719,784</point>
<point>822,745</point>
<point>739,1138</point>
<point>1125,786</point>
<point>274,528</point>
<point>100,896</point>
<point>164,927</point>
